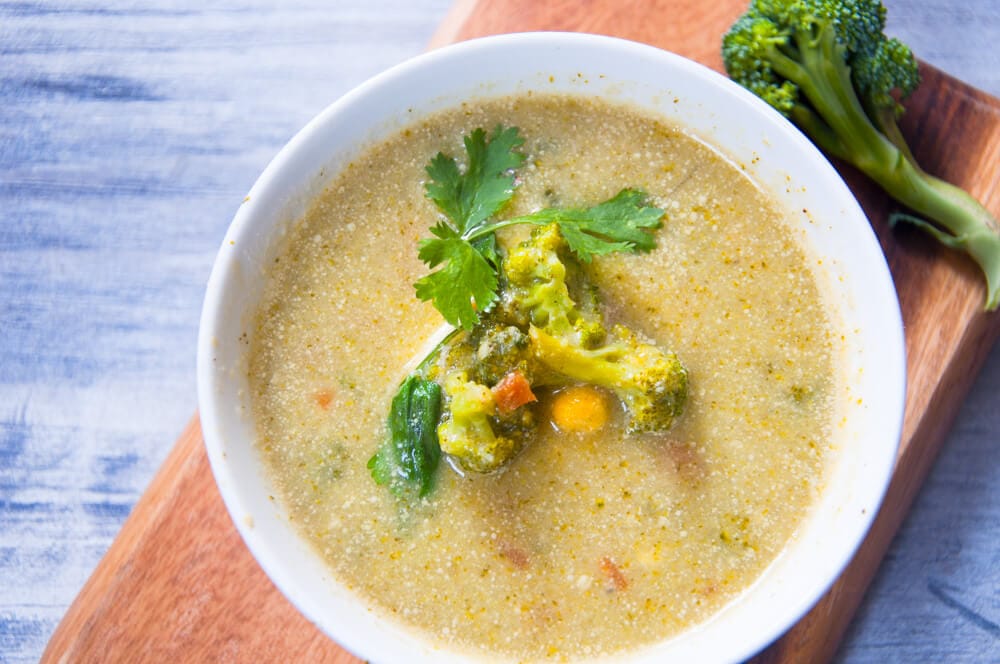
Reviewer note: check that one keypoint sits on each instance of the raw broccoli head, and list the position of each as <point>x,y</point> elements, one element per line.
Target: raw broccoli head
<point>651,383</point>
<point>467,430</point>
<point>828,66</point>
<point>538,290</point>
<point>761,50</point>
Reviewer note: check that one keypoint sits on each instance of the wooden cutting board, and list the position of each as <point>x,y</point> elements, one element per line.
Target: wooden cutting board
<point>179,585</point>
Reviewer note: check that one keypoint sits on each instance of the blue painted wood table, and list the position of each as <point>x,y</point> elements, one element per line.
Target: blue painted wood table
<point>129,133</point>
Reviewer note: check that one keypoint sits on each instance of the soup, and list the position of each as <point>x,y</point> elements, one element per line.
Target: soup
<point>586,543</point>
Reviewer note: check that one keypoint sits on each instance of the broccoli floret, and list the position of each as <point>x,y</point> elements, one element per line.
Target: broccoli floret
<point>828,66</point>
<point>538,293</point>
<point>499,349</point>
<point>567,338</point>
<point>467,432</point>
<point>651,383</point>
<point>540,332</point>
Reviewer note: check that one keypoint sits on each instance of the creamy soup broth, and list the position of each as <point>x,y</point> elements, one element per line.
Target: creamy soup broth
<point>587,544</point>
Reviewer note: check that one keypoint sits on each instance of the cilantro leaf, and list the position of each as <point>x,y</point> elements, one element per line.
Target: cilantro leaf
<point>621,223</point>
<point>445,188</point>
<point>465,285</point>
<point>470,198</point>
<point>464,243</point>
<point>487,246</point>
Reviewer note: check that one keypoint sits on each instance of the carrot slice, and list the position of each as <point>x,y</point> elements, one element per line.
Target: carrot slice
<point>579,408</point>
<point>512,392</point>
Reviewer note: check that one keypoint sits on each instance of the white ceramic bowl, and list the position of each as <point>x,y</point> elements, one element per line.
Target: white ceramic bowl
<point>711,107</point>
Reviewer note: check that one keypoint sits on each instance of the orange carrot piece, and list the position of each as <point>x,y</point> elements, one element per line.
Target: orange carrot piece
<point>579,408</point>
<point>512,392</point>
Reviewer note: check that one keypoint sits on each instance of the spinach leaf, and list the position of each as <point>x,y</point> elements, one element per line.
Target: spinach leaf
<point>407,459</point>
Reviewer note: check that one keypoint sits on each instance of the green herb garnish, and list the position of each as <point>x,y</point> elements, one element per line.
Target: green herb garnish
<point>464,248</point>
<point>620,223</point>
<point>464,245</point>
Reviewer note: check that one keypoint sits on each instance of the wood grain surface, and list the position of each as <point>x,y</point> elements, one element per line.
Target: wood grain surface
<point>178,584</point>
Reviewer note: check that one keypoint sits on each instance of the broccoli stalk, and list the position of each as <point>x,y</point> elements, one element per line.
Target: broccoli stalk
<point>538,291</point>
<point>651,383</point>
<point>828,66</point>
<point>536,277</point>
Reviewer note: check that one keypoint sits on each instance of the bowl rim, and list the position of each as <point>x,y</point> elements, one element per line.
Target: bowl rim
<point>208,372</point>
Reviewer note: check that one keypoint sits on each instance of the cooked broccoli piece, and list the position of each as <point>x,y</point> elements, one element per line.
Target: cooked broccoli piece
<point>466,432</point>
<point>651,383</point>
<point>499,349</point>
<point>540,332</point>
<point>538,293</point>
<point>828,66</point>
<point>566,337</point>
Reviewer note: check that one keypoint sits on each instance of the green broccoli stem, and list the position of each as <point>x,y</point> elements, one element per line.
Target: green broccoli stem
<point>885,120</point>
<point>971,227</point>
<point>819,68</point>
<point>818,130</point>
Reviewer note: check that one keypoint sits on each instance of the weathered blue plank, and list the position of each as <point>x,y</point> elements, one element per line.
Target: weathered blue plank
<point>129,135</point>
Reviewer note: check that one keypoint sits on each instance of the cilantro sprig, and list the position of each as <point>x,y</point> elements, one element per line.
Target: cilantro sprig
<point>464,244</point>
